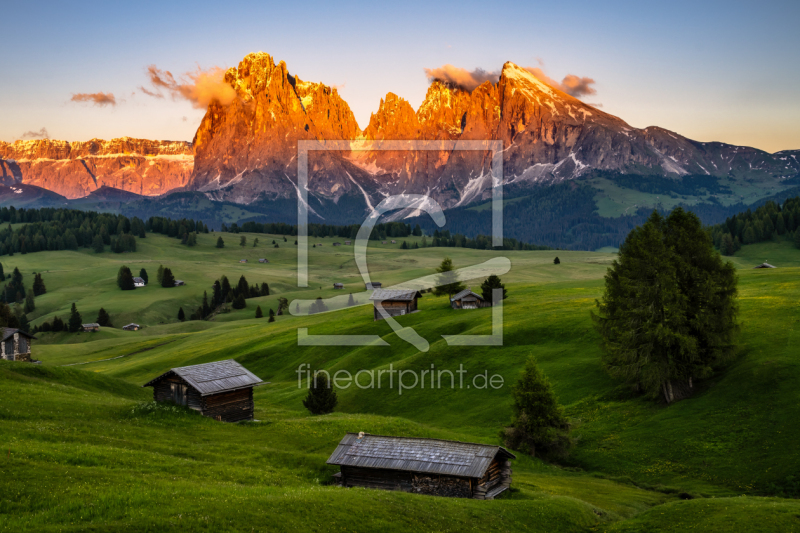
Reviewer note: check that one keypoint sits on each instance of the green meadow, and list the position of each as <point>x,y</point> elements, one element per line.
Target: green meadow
<point>81,450</point>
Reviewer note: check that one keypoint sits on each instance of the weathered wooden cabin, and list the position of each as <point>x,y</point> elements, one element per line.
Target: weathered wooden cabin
<point>394,302</point>
<point>93,327</point>
<point>338,285</point>
<point>347,243</point>
<point>15,345</point>
<point>262,260</point>
<point>467,299</point>
<point>131,327</point>
<point>222,390</point>
<point>764,265</point>
<point>423,466</point>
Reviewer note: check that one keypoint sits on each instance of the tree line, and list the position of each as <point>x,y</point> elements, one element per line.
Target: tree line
<point>766,223</point>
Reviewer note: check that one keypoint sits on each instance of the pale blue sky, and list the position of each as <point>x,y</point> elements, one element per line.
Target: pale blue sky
<point>715,70</point>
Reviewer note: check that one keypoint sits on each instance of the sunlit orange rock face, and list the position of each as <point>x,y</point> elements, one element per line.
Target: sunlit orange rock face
<point>76,169</point>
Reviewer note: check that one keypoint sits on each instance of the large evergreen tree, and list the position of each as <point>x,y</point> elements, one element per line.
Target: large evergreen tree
<point>38,285</point>
<point>220,242</point>
<point>103,318</point>
<point>321,398</point>
<point>125,279</point>
<point>447,282</point>
<point>538,425</point>
<point>491,283</point>
<point>239,302</point>
<point>259,312</point>
<point>271,316</point>
<point>75,320</point>
<point>30,305</point>
<point>668,314</point>
<point>181,314</point>
<point>167,279</point>
<point>143,275</point>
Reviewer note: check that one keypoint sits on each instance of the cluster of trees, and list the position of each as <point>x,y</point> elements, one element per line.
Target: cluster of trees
<point>14,292</point>
<point>668,315</point>
<point>73,324</point>
<point>765,223</point>
<point>67,229</point>
<point>447,283</point>
<point>223,293</point>
<point>380,231</point>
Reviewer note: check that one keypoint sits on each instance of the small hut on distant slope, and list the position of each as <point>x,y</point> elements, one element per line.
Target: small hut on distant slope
<point>467,299</point>
<point>423,466</point>
<point>764,265</point>
<point>222,390</point>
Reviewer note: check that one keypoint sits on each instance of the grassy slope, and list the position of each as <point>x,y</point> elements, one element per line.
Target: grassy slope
<point>100,466</point>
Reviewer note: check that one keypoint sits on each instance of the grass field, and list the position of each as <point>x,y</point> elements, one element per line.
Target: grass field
<point>77,452</point>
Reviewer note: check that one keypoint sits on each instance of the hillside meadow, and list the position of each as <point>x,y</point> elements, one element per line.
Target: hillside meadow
<point>83,450</point>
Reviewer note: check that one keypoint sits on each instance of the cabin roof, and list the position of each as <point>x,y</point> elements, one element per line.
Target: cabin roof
<point>465,292</point>
<point>434,456</point>
<point>91,325</point>
<point>211,378</point>
<point>8,333</point>
<point>138,280</point>
<point>764,265</point>
<point>394,294</point>
<point>131,324</point>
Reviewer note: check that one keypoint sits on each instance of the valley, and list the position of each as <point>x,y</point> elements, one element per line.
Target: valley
<point>101,460</point>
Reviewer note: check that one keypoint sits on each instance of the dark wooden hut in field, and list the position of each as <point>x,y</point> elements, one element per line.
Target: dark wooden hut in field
<point>423,466</point>
<point>94,326</point>
<point>222,390</point>
<point>15,344</point>
<point>467,299</point>
<point>764,265</point>
<point>131,327</point>
<point>338,285</point>
<point>394,302</point>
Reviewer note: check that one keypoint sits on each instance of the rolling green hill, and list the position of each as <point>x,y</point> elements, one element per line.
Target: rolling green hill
<point>82,452</point>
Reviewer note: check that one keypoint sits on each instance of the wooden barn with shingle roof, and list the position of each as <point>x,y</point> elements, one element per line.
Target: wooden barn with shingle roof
<point>394,302</point>
<point>222,390</point>
<point>423,466</point>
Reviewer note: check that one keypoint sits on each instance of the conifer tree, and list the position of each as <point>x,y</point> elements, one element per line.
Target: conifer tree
<point>38,285</point>
<point>125,279</point>
<point>143,275</point>
<point>181,314</point>
<point>259,313</point>
<point>103,318</point>
<point>205,309</point>
<point>264,289</point>
<point>283,304</point>
<point>239,302</point>
<point>243,241</point>
<point>538,426</point>
<point>75,320</point>
<point>220,242</point>
<point>30,305</point>
<point>321,398</point>
<point>2,274</point>
<point>491,283</point>
<point>668,314</point>
<point>271,316</point>
<point>160,274</point>
<point>556,261</point>
<point>447,283</point>
<point>167,279</point>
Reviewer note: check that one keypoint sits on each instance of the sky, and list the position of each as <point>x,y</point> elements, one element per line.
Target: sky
<point>709,70</point>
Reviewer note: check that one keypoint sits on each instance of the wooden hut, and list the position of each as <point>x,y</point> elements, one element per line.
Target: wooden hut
<point>15,345</point>
<point>423,466</point>
<point>338,285</point>
<point>222,390</point>
<point>93,327</point>
<point>139,282</point>
<point>262,260</point>
<point>764,265</point>
<point>467,299</point>
<point>373,285</point>
<point>347,243</point>
<point>131,327</point>
<point>394,302</point>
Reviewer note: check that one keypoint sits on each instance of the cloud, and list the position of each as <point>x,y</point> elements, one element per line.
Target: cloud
<point>578,86</point>
<point>573,85</point>
<point>200,87</point>
<point>461,77</point>
<point>98,99</point>
<point>41,134</point>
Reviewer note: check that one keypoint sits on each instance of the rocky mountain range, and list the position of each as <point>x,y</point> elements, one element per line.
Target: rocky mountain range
<point>246,151</point>
<point>75,169</point>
